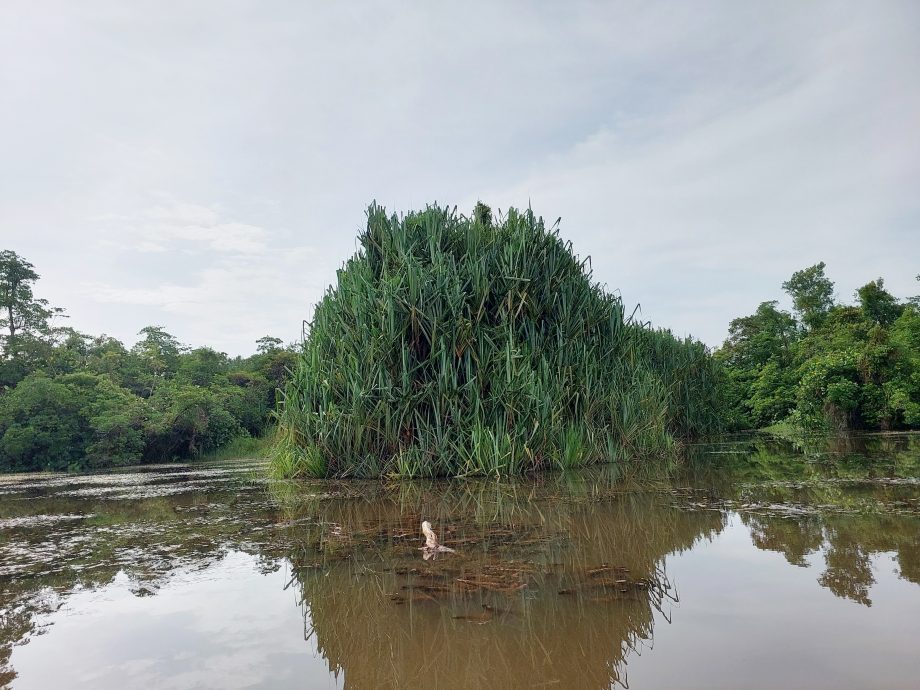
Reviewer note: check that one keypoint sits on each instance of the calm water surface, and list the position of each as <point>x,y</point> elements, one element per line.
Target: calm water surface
<point>759,564</point>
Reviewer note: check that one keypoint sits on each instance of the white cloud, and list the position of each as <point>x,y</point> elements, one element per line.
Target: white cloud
<point>177,226</point>
<point>715,202</point>
<point>234,299</point>
<point>700,153</point>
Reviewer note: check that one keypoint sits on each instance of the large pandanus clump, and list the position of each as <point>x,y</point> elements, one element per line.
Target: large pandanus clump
<point>455,345</point>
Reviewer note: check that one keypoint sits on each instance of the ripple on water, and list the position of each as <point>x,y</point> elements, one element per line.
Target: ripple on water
<point>40,520</point>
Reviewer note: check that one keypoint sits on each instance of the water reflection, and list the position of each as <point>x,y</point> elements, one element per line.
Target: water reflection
<point>551,581</point>
<point>556,580</point>
<point>60,535</point>
<point>848,545</point>
<point>852,499</point>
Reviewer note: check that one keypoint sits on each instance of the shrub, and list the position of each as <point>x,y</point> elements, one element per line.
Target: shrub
<point>456,346</point>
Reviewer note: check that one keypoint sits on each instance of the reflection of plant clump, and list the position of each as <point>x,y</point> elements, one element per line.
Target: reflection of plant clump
<point>550,581</point>
<point>458,346</point>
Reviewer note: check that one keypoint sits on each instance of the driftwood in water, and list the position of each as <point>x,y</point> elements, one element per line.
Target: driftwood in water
<point>432,546</point>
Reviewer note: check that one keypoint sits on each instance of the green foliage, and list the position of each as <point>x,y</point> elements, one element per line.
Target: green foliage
<point>457,346</point>
<point>241,447</point>
<point>74,420</point>
<point>812,294</point>
<point>268,344</point>
<point>878,305</point>
<point>202,366</point>
<point>160,353</point>
<point>69,401</point>
<point>844,367</point>
<point>21,313</point>
<point>191,420</point>
<point>757,356</point>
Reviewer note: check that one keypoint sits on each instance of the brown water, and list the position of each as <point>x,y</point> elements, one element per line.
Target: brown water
<point>759,564</point>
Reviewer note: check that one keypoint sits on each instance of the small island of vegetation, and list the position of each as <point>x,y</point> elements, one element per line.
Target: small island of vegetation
<point>455,345</point>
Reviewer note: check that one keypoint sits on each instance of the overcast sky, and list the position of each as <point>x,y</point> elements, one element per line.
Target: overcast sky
<point>206,166</point>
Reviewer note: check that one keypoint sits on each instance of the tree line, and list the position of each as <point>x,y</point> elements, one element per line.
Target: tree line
<point>71,401</point>
<point>826,365</point>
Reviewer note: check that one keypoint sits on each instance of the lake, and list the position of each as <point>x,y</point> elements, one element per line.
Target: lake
<point>758,563</point>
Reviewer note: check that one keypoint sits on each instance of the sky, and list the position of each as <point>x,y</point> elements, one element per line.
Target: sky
<point>206,166</point>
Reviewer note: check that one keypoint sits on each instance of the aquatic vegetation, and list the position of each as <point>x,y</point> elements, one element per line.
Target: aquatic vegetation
<point>462,346</point>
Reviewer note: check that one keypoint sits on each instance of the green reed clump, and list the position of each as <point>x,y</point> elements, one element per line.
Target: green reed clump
<point>462,346</point>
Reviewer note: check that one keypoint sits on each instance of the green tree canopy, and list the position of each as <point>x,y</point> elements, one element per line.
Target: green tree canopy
<point>754,340</point>
<point>202,365</point>
<point>70,401</point>
<point>758,353</point>
<point>812,294</point>
<point>159,351</point>
<point>268,344</point>
<point>842,367</point>
<point>878,305</point>
<point>21,313</point>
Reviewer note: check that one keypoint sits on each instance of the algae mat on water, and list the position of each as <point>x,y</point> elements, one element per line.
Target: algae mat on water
<point>455,345</point>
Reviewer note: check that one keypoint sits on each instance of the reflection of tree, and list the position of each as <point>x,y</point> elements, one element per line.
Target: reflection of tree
<point>794,538</point>
<point>589,559</point>
<point>849,572</point>
<point>849,543</point>
<point>850,496</point>
<point>375,606</point>
<point>765,458</point>
<point>909,559</point>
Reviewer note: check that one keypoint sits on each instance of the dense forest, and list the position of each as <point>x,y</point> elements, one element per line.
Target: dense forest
<point>827,366</point>
<point>69,401</point>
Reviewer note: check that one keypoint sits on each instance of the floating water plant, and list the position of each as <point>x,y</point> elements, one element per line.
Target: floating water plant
<point>455,345</point>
